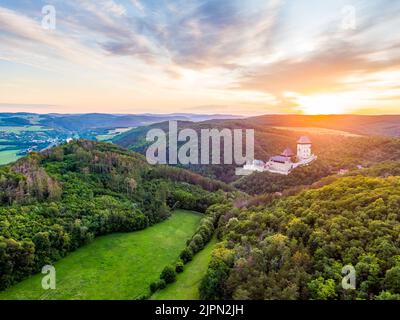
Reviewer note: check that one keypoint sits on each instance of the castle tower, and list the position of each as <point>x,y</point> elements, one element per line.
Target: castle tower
<point>304,148</point>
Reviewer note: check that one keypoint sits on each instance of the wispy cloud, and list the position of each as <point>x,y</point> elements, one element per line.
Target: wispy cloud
<point>258,55</point>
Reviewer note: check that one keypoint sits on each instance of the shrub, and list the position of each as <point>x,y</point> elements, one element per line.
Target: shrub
<point>205,233</point>
<point>198,240</point>
<point>161,284</point>
<point>179,267</point>
<point>154,286</point>
<point>193,248</point>
<point>168,274</point>
<point>186,255</point>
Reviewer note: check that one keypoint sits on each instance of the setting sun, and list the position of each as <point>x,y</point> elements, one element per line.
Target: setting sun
<point>322,104</point>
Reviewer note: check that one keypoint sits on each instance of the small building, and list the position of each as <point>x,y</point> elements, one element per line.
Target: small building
<point>287,160</point>
<point>280,164</point>
<point>255,165</point>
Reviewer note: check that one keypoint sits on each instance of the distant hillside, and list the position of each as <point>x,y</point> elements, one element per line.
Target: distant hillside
<point>82,122</point>
<point>388,125</point>
<point>335,149</point>
<point>22,132</point>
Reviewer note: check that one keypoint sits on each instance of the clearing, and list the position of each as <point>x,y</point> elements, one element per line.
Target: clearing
<point>117,266</point>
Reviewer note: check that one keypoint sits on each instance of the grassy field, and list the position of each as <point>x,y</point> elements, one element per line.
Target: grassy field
<point>118,266</point>
<point>19,129</point>
<point>7,156</point>
<point>112,134</point>
<point>187,285</point>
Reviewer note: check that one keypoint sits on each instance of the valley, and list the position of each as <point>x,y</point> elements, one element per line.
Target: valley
<point>22,133</point>
<point>120,266</point>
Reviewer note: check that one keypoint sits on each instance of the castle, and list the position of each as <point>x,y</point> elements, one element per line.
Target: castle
<point>286,161</point>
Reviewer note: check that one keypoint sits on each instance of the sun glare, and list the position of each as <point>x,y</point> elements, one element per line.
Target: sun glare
<point>322,104</point>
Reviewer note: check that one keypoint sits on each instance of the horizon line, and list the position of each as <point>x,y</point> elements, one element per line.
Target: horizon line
<point>201,114</point>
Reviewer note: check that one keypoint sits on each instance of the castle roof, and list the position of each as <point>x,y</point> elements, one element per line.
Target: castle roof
<point>280,159</point>
<point>304,140</point>
<point>287,153</point>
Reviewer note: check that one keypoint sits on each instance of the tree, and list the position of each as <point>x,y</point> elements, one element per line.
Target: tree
<point>186,255</point>
<point>392,280</point>
<point>386,295</point>
<point>322,289</point>
<point>168,274</point>
<point>179,266</point>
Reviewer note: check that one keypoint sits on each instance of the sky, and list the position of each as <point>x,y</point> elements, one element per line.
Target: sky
<point>206,56</point>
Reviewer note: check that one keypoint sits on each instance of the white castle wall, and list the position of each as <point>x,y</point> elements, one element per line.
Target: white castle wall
<point>304,151</point>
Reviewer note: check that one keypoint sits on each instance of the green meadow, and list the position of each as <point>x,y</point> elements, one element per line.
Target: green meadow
<point>117,266</point>
<point>187,283</point>
<point>7,156</point>
<point>19,129</point>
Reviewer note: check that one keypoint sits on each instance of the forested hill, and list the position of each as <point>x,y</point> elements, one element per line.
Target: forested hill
<point>54,202</point>
<point>386,125</point>
<point>296,247</point>
<point>336,150</point>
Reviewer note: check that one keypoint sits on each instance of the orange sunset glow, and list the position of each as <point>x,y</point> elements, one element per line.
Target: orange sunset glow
<point>248,58</point>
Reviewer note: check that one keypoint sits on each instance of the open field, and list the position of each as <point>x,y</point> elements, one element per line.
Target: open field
<point>187,283</point>
<point>19,129</point>
<point>7,156</point>
<point>112,133</point>
<point>117,266</point>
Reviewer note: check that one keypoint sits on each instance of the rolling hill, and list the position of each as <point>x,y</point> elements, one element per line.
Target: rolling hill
<point>336,149</point>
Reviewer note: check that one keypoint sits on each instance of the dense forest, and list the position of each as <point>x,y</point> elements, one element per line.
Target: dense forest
<point>54,202</point>
<point>296,247</point>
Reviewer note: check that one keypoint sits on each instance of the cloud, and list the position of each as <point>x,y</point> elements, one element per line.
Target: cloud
<point>138,5</point>
<point>243,53</point>
<point>357,68</point>
<point>23,37</point>
<point>326,68</point>
<point>203,34</point>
